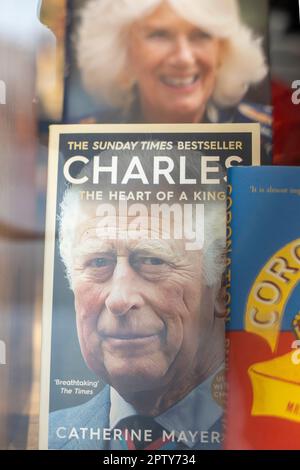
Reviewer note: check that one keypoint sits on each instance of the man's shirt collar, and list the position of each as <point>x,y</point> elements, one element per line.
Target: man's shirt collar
<point>195,413</point>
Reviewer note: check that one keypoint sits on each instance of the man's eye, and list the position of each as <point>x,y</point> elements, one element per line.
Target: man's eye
<point>100,262</point>
<point>152,261</point>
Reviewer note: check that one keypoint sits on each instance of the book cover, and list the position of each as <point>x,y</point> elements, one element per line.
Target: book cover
<point>133,314</point>
<point>96,87</point>
<point>263,308</point>
<point>182,61</point>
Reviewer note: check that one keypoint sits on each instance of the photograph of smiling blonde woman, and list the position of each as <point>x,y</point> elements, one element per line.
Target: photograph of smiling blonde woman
<point>169,61</point>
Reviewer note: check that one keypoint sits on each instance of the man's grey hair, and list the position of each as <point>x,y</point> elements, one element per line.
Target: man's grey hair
<point>102,47</point>
<point>72,212</point>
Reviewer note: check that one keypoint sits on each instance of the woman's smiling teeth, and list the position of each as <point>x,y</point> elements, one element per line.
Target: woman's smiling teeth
<point>180,82</point>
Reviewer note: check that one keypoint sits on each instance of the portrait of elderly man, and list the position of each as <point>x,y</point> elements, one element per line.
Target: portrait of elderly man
<point>150,319</point>
<point>171,61</point>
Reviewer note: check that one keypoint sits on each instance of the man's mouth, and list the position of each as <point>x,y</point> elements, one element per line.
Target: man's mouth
<point>135,343</point>
<point>129,336</point>
<point>180,82</point>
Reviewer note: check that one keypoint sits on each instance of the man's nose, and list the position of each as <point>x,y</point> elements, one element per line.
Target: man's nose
<point>124,294</point>
<point>183,52</point>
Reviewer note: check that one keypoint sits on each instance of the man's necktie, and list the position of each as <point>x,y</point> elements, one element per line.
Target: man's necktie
<point>144,433</point>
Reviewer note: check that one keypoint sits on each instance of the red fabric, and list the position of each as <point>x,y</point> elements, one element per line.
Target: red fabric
<point>286,126</point>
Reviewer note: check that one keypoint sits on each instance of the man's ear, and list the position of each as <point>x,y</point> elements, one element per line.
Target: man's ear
<point>220,306</point>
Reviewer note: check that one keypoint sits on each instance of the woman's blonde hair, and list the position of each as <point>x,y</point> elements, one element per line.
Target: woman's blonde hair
<point>102,52</point>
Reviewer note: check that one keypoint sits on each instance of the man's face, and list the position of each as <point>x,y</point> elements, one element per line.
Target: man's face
<point>143,313</point>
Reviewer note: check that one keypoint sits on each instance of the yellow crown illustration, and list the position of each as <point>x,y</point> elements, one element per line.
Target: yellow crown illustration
<point>275,383</point>
<point>276,388</point>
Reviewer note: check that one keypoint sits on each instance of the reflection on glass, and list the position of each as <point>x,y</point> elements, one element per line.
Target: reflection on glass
<point>29,69</point>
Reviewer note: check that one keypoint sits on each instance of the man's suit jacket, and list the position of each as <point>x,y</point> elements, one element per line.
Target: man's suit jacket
<point>93,414</point>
